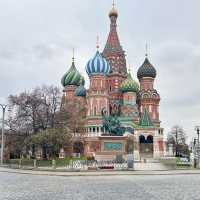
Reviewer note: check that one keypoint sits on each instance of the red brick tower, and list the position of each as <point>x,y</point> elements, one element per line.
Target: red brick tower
<point>148,97</point>
<point>115,55</point>
<point>97,95</point>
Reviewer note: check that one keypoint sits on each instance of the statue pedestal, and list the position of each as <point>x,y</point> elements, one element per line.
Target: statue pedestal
<point>110,147</point>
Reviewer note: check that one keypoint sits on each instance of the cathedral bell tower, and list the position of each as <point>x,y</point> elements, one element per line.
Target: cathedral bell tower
<point>115,56</point>
<point>130,88</point>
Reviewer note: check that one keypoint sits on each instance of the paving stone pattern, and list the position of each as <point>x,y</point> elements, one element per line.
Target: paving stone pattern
<point>156,187</point>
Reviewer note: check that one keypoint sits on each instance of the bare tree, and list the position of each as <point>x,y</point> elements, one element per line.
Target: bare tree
<point>73,116</point>
<point>52,97</point>
<point>33,111</point>
<point>177,137</point>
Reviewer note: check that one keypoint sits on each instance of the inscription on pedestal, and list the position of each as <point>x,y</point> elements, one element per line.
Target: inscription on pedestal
<point>113,146</point>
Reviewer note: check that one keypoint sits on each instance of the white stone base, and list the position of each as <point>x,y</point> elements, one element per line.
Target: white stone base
<point>150,166</point>
<point>158,154</point>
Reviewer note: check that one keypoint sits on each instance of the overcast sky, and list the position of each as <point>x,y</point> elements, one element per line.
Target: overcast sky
<point>37,38</point>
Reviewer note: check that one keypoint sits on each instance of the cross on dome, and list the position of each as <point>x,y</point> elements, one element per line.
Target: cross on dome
<point>73,55</point>
<point>113,3</point>
<point>146,50</point>
<point>97,42</point>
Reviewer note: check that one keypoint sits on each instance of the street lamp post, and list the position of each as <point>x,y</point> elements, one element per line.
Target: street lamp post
<point>176,142</point>
<point>197,128</point>
<point>2,134</point>
<point>194,151</point>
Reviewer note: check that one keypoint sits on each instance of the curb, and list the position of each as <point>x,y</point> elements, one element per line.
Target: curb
<point>102,173</point>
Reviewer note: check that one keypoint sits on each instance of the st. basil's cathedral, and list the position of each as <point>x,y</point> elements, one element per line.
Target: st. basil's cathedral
<point>122,115</point>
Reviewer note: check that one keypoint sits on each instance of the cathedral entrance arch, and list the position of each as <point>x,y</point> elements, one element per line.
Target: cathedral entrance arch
<point>146,146</point>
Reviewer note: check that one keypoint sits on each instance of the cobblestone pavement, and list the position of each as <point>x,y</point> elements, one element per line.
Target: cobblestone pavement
<point>155,187</point>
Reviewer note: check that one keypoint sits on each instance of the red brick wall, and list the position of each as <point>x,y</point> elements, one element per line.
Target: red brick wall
<point>146,83</point>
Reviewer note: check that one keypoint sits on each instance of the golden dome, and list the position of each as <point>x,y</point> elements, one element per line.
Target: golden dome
<point>113,11</point>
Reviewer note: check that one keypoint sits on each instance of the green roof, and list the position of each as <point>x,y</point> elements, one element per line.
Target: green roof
<point>145,120</point>
<point>127,121</point>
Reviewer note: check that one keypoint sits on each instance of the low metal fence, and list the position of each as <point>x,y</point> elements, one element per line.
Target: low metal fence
<point>69,164</point>
<point>97,165</point>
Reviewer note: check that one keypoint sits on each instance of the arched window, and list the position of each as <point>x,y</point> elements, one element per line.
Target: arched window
<point>110,111</point>
<point>149,139</point>
<point>95,111</point>
<point>150,108</point>
<point>142,139</point>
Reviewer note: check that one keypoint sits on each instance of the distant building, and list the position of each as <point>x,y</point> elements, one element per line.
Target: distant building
<point>114,95</point>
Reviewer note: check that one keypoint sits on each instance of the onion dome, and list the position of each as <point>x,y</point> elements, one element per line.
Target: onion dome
<point>97,65</point>
<point>146,70</point>
<point>72,77</point>
<point>113,11</point>
<point>129,85</point>
<point>81,91</point>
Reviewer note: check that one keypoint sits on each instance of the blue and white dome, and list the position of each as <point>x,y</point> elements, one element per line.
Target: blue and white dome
<point>81,91</point>
<point>97,65</point>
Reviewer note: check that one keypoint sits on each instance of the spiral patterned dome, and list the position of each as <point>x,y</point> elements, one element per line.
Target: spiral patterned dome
<point>146,70</point>
<point>72,77</point>
<point>129,85</point>
<point>97,65</point>
<point>81,91</point>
